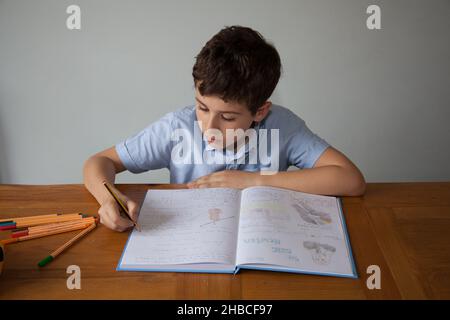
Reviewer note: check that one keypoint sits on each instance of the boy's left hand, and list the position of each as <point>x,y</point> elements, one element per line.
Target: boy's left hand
<point>227,179</point>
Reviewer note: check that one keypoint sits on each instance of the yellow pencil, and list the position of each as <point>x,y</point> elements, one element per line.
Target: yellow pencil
<point>121,205</point>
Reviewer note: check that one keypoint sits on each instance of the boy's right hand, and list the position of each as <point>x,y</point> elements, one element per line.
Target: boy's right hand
<point>110,212</point>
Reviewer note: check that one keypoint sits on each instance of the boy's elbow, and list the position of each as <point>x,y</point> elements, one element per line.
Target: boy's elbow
<point>87,163</point>
<point>360,189</point>
<point>358,186</point>
<point>90,166</point>
<point>86,166</point>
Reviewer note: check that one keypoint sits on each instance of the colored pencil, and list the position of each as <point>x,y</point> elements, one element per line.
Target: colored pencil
<point>15,223</point>
<point>44,231</point>
<point>37,217</point>
<point>63,223</point>
<point>49,227</point>
<point>44,234</point>
<point>58,251</point>
<point>7,226</point>
<point>37,222</point>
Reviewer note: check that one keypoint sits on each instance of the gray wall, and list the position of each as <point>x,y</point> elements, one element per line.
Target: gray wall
<point>382,97</point>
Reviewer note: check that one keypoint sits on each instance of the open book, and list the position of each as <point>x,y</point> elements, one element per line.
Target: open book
<point>223,230</point>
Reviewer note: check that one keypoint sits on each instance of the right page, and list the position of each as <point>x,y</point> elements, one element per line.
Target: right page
<point>291,231</point>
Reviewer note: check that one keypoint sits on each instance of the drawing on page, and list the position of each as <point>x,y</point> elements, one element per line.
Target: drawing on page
<point>311,215</point>
<point>314,201</point>
<point>320,253</point>
<point>215,215</point>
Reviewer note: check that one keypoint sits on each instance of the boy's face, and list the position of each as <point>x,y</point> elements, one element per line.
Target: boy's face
<point>217,115</point>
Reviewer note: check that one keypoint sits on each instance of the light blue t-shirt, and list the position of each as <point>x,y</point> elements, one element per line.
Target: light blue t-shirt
<point>158,146</point>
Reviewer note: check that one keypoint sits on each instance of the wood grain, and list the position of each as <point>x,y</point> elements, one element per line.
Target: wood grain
<point>392,226</point>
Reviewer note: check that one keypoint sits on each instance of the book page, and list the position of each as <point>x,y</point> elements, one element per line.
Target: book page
<point>185,226</point>
<point>292,229</point>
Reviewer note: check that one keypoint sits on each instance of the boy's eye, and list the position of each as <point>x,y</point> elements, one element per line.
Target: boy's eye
<point>227,118</point>
<point>202,109</point>
<point>222,116</point>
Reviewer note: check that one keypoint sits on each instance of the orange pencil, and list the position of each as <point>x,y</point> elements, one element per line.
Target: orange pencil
<point>51,227</point>
<point>14,223</point>
<point>58,251</point>
<point>44,234</point>
<point>57,217</point>
<point>36,222</point>
<point>64,223</point>
<point>38,217</point>
<point>43,230</point>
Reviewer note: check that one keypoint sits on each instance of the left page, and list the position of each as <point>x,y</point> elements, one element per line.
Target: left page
<point>185,230</point>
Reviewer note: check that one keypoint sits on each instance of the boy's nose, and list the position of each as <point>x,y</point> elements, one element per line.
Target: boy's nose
<point>211,123</point>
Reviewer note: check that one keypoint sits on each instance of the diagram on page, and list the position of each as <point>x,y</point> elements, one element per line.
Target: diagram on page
<point>321,253</point>
<point>216,215</point>
<point>290,229</point>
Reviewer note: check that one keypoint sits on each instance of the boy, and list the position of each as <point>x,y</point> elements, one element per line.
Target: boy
<point>234,75</point>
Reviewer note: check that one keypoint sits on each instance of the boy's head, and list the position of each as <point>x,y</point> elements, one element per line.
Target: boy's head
<point>234,75</point>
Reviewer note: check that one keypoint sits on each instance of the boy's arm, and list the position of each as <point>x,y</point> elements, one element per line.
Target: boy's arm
<point>104,166</point>
<point>332,174</point>
<point>100,167</point>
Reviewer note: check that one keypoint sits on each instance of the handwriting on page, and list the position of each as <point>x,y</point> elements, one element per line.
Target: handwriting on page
<point>186,226</point>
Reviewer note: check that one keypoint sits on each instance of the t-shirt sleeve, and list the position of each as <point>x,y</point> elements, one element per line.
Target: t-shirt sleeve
<point>149,149</point>
<point>303,146</point>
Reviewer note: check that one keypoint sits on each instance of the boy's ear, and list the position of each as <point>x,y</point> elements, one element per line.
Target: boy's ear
<point>262,111</point>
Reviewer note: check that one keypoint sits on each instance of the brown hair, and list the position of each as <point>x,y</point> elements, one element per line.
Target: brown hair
<point>238,64</point>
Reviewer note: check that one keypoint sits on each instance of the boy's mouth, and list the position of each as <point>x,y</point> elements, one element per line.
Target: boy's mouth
<point>214,142</point>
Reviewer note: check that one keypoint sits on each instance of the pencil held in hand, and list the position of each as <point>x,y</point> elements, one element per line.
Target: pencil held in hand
<point>121,204</point>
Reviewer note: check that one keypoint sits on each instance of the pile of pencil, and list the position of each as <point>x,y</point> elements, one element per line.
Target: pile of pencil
<point>33,227</point>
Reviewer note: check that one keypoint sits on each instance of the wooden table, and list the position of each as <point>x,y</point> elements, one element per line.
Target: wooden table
<point>404,228</point>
